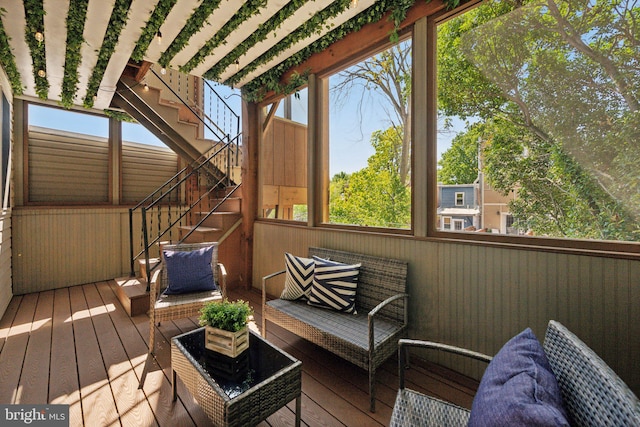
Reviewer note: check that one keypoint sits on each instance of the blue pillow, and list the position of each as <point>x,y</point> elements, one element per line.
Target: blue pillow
<point>189,271</point>
<point>519,388</point>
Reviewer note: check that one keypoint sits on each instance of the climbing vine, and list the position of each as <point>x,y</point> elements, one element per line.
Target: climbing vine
<point>34,17</point>
<point>192,26</point>
<point>75,28</point>
<point>150,30</point>
<point>270,80</point>
<point>118,18</point>
<point>8,61</point>
<point>257,36</point>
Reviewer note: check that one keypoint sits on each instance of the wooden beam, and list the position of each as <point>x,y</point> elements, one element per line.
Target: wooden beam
<point>250,154</point>
<point>356,46</point>
<point>270,115</point>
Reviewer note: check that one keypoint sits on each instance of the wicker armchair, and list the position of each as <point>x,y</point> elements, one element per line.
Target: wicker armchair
<point>591,391</point>
<point>169,307</point>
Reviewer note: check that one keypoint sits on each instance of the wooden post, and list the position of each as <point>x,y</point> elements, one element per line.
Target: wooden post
<point>250,147</point>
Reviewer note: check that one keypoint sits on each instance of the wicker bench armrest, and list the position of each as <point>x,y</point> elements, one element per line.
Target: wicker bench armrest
<point>222,279</point>
<point>155,284</point>
<point>388,301</point>
<point>404,343</point>
<point>264,284</point>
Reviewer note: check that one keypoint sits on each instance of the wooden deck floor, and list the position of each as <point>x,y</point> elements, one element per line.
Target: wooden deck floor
<point>77,346</point>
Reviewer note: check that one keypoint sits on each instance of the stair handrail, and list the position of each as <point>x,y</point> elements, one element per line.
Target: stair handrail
<point>204,218</point>
<point>196,166</point>
<point>141,205</point>
<point>221,138</point>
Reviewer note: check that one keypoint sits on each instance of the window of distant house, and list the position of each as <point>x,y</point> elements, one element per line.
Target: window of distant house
<point>284,160</point>
<point>369,141</point>
<point>459,199</point>
<point>537,104</point>
<point>68,156</point>
<point>446,223</point>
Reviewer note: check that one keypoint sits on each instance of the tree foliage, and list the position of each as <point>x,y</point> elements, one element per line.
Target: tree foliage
<point>374,196</point>
<point>388,73</point>
<point>556,87</point>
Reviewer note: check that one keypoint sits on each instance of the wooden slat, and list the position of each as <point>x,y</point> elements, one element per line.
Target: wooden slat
<point>131,405</point>
<point>36,361</point>
<point>13,351</point>
<point>98,405</point>
<point>63,377</point>
<point>7,319</point>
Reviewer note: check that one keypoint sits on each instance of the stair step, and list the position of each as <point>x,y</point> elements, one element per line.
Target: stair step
<point>132,294</point>
<point>201,229</point>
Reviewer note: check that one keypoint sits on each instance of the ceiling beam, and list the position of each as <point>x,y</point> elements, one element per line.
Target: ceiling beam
<point>355,46</point>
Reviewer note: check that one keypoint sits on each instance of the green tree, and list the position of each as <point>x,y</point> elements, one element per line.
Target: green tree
<point>459,164</point>
<point>556,86</point>
<point>374,196</point>
<point>389,74</point>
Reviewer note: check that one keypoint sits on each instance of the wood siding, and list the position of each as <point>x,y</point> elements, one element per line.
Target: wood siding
<point>284,165</point>
<point>60,247</point>
<point>67,168</point>
<point>5,261</point>
<point>479,296</point>
<point>144,169</point>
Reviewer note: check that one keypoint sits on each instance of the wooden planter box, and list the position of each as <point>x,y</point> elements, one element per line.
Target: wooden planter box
<point>228,343</point>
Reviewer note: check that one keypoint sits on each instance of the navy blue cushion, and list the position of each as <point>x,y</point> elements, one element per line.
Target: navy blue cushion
<point>519,388</point>
<point>189,271</point>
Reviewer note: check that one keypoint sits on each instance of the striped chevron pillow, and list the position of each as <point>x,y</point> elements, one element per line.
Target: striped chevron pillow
<point>299,277</point>
<point>334,286</point>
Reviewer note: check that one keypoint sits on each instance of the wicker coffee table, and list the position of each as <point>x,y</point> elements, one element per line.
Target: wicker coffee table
<point>241,391</point>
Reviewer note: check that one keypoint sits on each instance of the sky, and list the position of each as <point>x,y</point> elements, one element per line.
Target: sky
<point>350,131</point>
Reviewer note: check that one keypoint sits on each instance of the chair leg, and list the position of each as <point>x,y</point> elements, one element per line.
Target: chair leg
<point>143,377</point>
<point>372,388</point>
<point>152,336</point>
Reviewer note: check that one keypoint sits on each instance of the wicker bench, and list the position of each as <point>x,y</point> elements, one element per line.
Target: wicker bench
<point>365,339</point>
<point>592,394</point>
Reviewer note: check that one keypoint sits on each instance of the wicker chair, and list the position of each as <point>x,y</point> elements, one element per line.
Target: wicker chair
<point>169,307</point>
<point>591,391</point>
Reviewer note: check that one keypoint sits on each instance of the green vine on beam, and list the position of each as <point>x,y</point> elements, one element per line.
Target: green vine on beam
<point>75,29</point>
<point>312,25</point>
<point>192,26</point>
<point>119,17</point>
<point>244,13</point>
<point>119,115</point>
<point>150,30</point>
<point>8,61</point>
<point>34,17</point>
<point>255,89</point>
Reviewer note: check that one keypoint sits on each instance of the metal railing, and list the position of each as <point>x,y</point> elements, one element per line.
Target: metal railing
<point>173,203</point>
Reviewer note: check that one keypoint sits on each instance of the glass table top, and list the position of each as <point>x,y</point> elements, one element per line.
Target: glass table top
<point>234,375</point>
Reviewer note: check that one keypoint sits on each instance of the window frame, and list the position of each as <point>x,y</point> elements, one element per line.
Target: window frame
<point>459,195</point>
<point>321,130</point>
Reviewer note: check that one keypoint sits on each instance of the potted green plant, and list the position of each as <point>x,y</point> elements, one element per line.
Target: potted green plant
<point>225,325</point>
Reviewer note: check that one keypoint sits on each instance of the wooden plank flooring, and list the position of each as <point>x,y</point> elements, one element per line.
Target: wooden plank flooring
<point>77,346</point>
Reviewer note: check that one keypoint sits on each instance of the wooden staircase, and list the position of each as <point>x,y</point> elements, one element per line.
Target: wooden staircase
<point>216,217</point>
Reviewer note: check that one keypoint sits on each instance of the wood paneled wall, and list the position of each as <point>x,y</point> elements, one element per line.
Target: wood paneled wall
<point>5,261</point>
<point>479,296</point>
<point>60,247</point>
<point>284,166</point>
